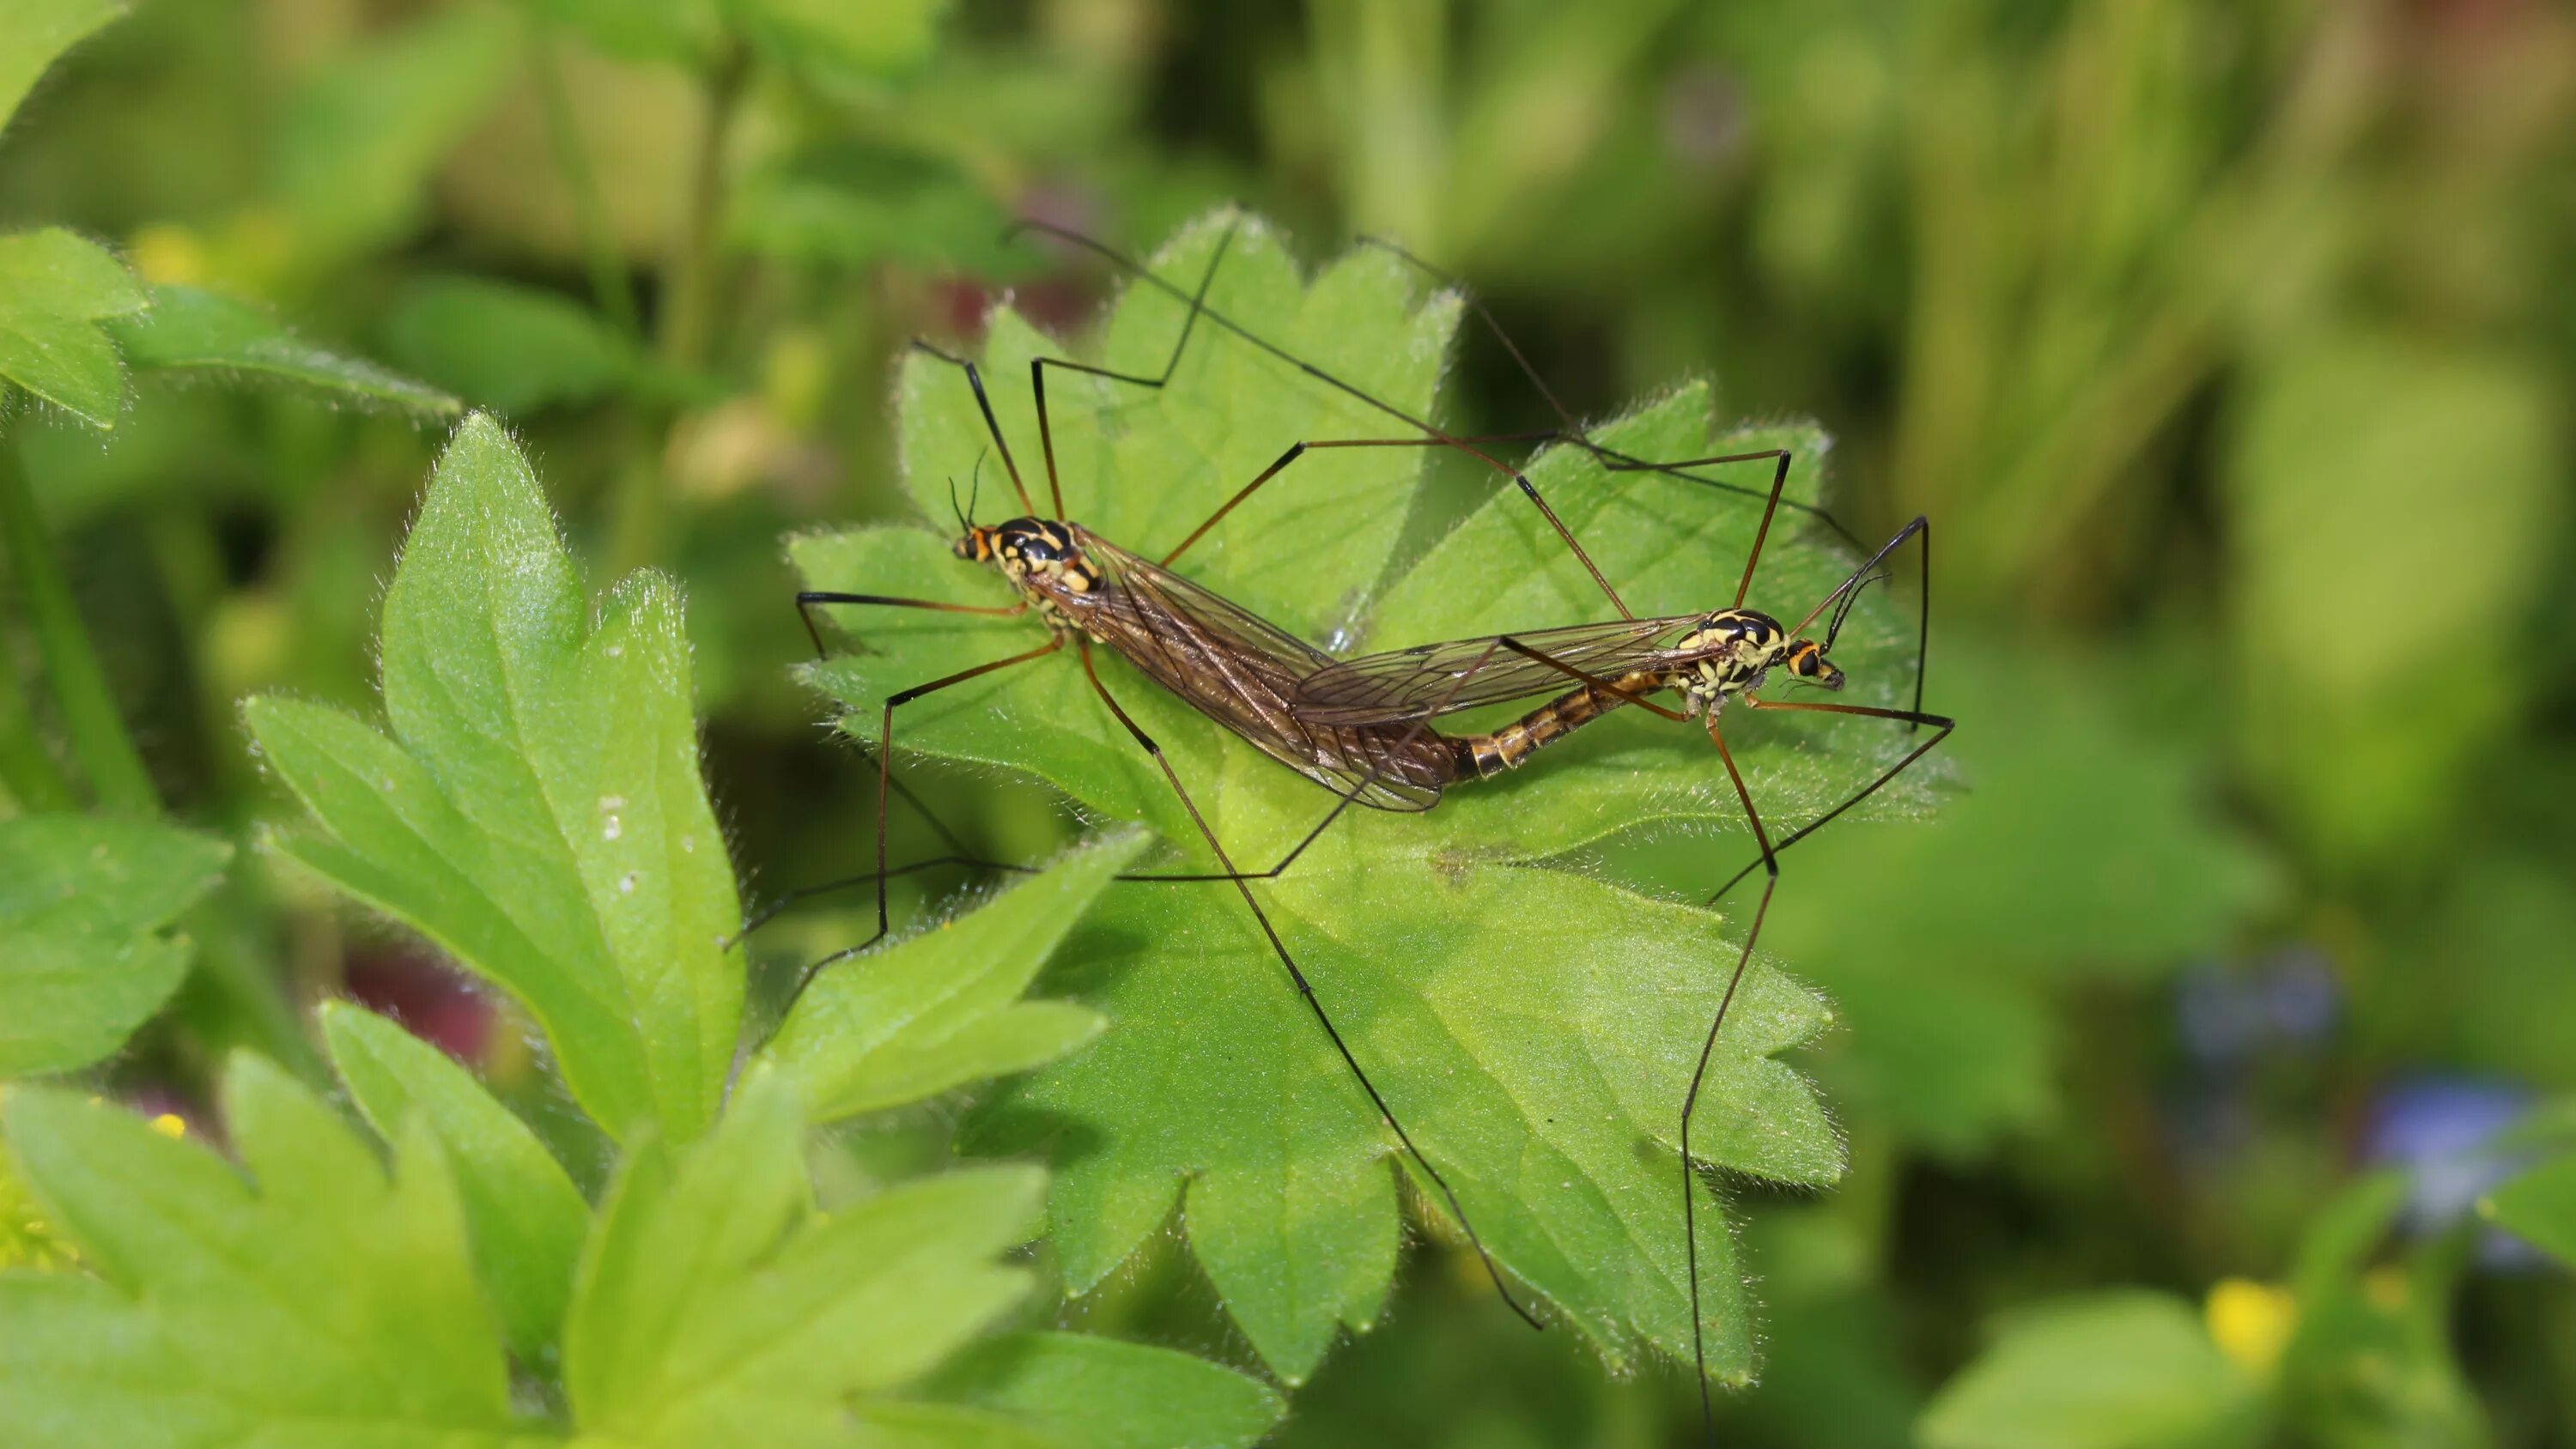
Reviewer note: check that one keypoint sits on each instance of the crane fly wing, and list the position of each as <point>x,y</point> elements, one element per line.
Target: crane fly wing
<point>1433,679</point>
<point>1242,671</point>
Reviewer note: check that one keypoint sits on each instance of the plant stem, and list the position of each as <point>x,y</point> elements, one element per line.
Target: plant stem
<point>27,771</point>
<point>98,734</point>
<point>686,325</point>
<point>608,279</point>
<point>684,322</point>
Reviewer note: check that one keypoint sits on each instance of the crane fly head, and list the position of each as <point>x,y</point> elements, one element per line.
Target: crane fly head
<point>1026,549</point>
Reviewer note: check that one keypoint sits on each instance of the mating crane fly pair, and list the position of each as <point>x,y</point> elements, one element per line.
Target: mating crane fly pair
<point>1364,728</point>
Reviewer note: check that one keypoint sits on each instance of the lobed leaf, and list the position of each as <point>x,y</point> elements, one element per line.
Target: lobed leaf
<point>536,808</point>
<point>83,901</point>
<point>524,1215</point>
<point>943,1009</point>
<point>1532,1027</point>
<point>327,1304</point>
<point>714,1305</point>
<point>55,290</point>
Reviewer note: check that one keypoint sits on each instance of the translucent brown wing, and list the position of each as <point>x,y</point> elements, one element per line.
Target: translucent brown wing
<point>1242,671</point>
<point>1427,680</point>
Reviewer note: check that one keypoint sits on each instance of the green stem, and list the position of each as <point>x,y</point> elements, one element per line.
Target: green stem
<point>98,734</point>
<point>684,326</point>
<point>687,321</point>
<point>27,771</point>
<point>608,279</point>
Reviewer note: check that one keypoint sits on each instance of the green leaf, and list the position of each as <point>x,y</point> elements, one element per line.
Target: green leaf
<point>326,1305</point>
<point>715,1305</point>
<point>55,288</point>
<point>503,346</point>
<point>1533,1028</point>
<point>2339,436</point>
<point>2119,1370</point>
<point>83,962</point>
<point>39,32</point>
<point>360,138</point>
<point>536,809</point>
<point>944,1009</point>
<point>190,329</point>
<point>844,39</point>
<point>1097,1393</point>
<point>2540,1205</point>
<point>525,1217</point>
<point>855,204</point>
<point>1942,946</point>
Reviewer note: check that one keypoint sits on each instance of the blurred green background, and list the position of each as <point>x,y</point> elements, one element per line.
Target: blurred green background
<point>2228,344</point>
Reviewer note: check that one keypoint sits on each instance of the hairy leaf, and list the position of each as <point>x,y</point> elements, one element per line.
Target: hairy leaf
<point>83,962</point>
<point>524,1214</point>
<point>536,808</point>
<point>55,290</point>
<point>715,1305</point>
<point>325,1304</point>
<point>1533,1027</point>
<point>188,329</point>
<point>944,1009</point>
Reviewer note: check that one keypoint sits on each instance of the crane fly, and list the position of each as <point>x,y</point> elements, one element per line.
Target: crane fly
<point>1364,728</point>
<point>1220,659</point>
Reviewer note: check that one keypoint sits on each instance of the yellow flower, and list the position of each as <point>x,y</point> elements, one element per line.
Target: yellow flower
<point>2251,1322</point>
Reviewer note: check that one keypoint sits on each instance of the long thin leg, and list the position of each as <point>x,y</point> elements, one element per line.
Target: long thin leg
<point>778,907</point>
<point>1617,462</point>
<point>1699,1074</point>
<point>1769,863</point>
<point>805,602</point>
<point>1039,365</point>
<point>1528,489</point>
<point>1037,383</point>
<point>1942,723</point>
<point>885,777</point>
<point>1300,450</point>
<point>1298,977</point>
<point>1571,430</point>
<point>1420,727</point>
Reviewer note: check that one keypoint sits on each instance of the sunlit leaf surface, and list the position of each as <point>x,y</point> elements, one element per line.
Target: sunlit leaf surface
<point>1533,1026</point>
<point>535,808</point>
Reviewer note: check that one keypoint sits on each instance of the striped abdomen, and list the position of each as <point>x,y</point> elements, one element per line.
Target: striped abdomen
<point>1488,755</point>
